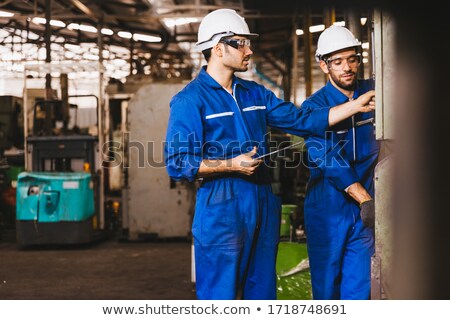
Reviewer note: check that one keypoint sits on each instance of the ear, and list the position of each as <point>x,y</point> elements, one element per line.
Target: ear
<point>324,67</point>
<point>217,50</point>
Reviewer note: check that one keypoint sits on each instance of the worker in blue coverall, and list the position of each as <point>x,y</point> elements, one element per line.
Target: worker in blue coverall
<point>339,206</point>
<point>217,128</point>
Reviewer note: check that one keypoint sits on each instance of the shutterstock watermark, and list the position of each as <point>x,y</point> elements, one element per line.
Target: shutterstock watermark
<point>328,151</point>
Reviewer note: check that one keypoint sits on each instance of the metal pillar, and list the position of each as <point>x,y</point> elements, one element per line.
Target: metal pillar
<point>307,38</point>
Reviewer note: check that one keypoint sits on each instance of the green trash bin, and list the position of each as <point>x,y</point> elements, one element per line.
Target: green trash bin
<point>287,211</point>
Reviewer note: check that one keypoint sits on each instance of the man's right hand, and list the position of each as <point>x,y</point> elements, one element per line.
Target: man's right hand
<point>245,163</point>
<point>364,103</point>
<point>367,101</point>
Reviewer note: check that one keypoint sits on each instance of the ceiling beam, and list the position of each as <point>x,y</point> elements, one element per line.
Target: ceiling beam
<point>80,6</point>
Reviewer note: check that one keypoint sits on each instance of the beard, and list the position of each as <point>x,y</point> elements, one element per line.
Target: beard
<point>236,65</point>
<point>345,85</point>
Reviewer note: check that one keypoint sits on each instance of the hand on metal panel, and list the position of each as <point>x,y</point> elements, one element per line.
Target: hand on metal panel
<point>367,101</point>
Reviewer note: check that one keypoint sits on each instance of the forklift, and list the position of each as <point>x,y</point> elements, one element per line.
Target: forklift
<point>60,195</point>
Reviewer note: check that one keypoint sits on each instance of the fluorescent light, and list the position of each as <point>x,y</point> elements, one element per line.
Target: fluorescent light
<point>90,56</point>
<point>339,23</point>
<point>38,20</point>
<point>69,54</point>
<point>146,38</point>
<point>55,23</point>
<point>87,28</point>
<point>125,34</point>
<point>119,62</point>
<point>312,29</point>
<point>317,28</point>
<point>33,36</point>
<point>179,21</point>
<point>363,21</point>
<point>82,27</point>
<point>107,31</point>
<point>73,26</point>
<point>6,14</point>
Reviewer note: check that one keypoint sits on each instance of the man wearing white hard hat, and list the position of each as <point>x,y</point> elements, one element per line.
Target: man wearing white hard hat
<point>217,130</point>
<point>339,206</point>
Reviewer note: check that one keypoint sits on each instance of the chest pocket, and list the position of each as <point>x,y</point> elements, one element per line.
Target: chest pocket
<point>220,121</point>
<point>220,133</point>
<point>219,115</point>
<point>256,119</point>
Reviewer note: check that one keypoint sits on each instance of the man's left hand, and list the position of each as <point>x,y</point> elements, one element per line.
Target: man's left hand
<point>368,213</point>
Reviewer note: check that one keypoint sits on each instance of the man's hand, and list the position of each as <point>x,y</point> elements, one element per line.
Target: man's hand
<point>367,101</point>
<point>245,163</point>
<point>368,213</point>
<point>364,103</point>
<point>366,203</point>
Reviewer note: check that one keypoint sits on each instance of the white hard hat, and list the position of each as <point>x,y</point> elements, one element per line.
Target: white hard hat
<point>335,38</point>
<point>218,24</point>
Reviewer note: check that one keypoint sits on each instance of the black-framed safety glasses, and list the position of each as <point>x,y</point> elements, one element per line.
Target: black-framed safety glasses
<point>239,44</point>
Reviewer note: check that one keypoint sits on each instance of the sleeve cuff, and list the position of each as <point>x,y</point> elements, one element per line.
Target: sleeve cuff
<point>344,180</point>
<point>321,120</point>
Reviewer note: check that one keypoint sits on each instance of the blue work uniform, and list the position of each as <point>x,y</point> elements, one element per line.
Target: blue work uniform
<point>339,245</point>
<point>237,218</point>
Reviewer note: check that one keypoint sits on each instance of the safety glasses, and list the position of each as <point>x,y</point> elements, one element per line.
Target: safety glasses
<point>239,44</point>
<point>338,63</point>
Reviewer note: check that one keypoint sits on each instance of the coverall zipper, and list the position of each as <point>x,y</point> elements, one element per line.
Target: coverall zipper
<point>240,293</point>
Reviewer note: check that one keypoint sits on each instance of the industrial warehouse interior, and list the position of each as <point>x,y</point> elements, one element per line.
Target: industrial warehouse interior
<point>87,209</point>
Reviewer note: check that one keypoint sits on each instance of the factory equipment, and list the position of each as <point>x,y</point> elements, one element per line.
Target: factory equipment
<point>11,157</point>
<point>152,205</point>
<point>55,207</point>
<point>11,124</point>
<point>60,197</point>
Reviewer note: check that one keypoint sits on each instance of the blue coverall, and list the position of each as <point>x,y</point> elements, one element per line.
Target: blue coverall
<point>339,245</point>
<point>237,218</point>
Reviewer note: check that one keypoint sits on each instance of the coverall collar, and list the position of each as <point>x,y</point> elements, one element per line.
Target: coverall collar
<point>208,80</point>
<point>337,95</point>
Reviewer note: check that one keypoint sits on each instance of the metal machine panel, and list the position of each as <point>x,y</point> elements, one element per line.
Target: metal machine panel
<point>382,259</point>
<point>385,70</point>
<point>156,206</point>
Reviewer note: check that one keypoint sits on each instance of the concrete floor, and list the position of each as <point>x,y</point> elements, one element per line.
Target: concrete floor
<point>109,269</point>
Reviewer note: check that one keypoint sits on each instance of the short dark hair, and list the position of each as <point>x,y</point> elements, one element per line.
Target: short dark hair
<point>207,54</point>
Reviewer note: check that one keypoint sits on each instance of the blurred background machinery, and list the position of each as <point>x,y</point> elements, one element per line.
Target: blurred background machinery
<point>11,158</point>
<point>60,194</point>
<point>152,206</point>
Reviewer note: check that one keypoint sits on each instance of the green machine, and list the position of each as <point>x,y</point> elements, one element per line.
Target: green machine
<point>55,207</point>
